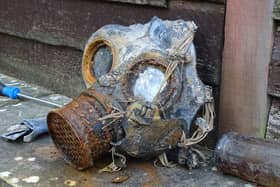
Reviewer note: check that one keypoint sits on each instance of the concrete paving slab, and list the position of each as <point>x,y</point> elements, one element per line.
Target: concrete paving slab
<point>13,113</point>
<point>40,164</point>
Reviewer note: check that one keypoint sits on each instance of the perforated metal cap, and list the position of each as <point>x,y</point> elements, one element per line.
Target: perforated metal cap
<point>76,131</point>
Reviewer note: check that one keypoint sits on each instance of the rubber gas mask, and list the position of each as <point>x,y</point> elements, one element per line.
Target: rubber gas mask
<point>142,99</point>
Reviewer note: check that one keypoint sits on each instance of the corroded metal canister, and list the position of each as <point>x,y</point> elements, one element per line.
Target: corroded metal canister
<point>76,131</point>
<point>252,159</point>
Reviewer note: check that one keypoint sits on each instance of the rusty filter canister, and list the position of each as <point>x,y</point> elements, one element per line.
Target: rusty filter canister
<point>77,133</point>
<point>252,159</point>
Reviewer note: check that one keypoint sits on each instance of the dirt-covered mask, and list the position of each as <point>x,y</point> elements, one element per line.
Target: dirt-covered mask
<point>143,95</point>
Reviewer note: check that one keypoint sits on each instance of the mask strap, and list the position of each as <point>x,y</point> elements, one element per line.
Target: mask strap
<point>163,161</point>
<point>115,166</point>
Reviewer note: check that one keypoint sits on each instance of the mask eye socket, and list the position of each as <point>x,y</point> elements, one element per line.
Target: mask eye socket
<point>149,83</point>
<point>101,62</point>
<point>145,81</point>
<point>98,59</point>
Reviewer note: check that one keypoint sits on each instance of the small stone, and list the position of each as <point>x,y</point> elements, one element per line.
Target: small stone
<point>120,179</point>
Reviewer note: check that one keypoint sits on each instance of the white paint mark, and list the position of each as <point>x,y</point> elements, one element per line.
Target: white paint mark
<point>19,158</point>
<point>249,185</point>
<point>214,169</point>
<point>31,159</point>
<point>70,182</point>
<point>19,104</point>
<point>13,180</point>
<point>54,179</point>
<point>3,110</point>
<point>31,179</point>
<point>5,174</point>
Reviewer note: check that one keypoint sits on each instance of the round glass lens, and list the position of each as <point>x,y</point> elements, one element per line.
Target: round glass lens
<point>102,61</point>
<point>148,83</point>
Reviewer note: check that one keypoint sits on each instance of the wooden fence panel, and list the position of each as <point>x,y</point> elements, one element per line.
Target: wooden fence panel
<point>274,69</point>
<point>273,126</point>
<point>247,53</point>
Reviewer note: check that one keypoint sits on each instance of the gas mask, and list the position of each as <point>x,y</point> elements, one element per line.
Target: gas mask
<point>142,99</point>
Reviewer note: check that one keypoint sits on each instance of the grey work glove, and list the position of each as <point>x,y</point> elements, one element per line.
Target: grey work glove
<point>29,129</point>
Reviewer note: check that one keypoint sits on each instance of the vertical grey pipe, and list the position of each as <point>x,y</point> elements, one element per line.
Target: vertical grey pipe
<point>252,159</point>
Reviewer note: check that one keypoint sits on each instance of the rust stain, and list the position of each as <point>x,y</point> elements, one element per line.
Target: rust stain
<point>49,153</point>
<point>249,158</point>
<point>149,169</point>
<point>86,180</point>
